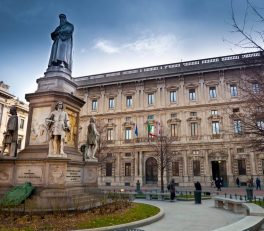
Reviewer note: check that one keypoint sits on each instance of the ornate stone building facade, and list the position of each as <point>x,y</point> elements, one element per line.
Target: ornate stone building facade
<point>6,101</point>
<point>190,102</point>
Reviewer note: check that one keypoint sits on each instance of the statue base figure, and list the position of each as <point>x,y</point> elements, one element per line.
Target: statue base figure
<point>12,150</point>
<point>89,153</point>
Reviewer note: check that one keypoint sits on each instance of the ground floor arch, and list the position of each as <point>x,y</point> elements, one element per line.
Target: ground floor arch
<point>151,170</point>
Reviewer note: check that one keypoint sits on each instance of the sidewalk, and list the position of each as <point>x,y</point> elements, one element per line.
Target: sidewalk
<point>188,217</point>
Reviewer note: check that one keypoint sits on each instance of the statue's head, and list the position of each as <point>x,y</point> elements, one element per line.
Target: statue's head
<point>62,16</point>
<point>13,110</point>
<point>92,120</point>
<point>59,105</point>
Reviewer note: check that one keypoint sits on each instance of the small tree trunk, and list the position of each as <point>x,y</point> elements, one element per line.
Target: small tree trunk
<point>161,180</point>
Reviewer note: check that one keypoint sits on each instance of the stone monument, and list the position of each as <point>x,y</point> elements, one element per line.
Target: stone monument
<point>11,134</point>
<point>51,160</point>
<point>92,141</point>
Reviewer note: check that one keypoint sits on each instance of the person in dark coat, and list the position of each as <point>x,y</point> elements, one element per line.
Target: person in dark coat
<point>217,184</point>
<point>172,189</point>
<point>198,186</point>
<point>237,182</point>
<point>258,186</point>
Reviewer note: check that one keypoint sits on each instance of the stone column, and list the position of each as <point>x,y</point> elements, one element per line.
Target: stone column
<point>141,165</point>
<point>119,103</point>
<point>229,167</point>
<point>185,167</point>
<point>253,164</point>
<point>117,177</point>
<point>182,93</point>
<point>102,106</point>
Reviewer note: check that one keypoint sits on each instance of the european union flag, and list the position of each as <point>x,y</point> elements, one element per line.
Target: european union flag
<point>136,131</point>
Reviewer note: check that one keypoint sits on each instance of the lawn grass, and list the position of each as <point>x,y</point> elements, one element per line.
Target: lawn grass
<point>107,215</point>
<point>137,211</point>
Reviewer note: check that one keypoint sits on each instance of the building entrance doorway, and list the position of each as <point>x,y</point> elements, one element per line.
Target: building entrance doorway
<point>151,171</point>
<point>219,170</point>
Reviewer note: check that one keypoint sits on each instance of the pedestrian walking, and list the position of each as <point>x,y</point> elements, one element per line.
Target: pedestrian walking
<point>237,182</point>
<point>258,186</point>
<point>217,184</point>
<point>172,189</point>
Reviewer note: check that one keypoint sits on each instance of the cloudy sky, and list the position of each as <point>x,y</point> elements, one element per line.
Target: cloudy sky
<point>112,35</point>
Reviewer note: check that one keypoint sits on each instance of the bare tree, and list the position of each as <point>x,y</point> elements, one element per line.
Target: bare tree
<point>162,148</point>
<point>250,120</point>
<point>252,34</point>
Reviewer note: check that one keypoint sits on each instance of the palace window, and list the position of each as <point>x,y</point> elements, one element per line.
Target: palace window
<point>128,135</point>
<point>94,104</point>
<point>173,130</point>
<point>194,129</point>
<point>173,96</point>
<point>237,126</point>
<point>22,122</point>
<point>150,117</point>
<point>235,110</point>
<point>129,101</point>
<point>173,115</point>
<point>108,169</point>
<point>255,88</point>
<point>151,99</point>
<point>215,127</point>
<point>192,94</point>
<point>193,113</point>
<point>260,125</point>
<point>175,168</point>
<point>127,169</point>
<point>128,119</point>
<point>233,90</point>
<point>110,134</point>
<point>19,142</point>
<point>196,168</point>
<point>214,112</point>
<point>241,164</point>
<point>240,150</point>
<point>212,92</point>
<point>111,103</point>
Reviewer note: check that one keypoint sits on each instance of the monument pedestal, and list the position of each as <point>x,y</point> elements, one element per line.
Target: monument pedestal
<point>58,178</point>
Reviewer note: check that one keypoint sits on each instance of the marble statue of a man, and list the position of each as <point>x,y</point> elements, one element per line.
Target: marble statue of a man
<point>92,140</point>
<point>61,52</point>
<point>11,134</point>
<point>58,124</point>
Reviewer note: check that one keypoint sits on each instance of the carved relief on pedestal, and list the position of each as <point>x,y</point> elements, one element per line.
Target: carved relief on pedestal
<point>39,130</point>
<point>57,174</point>
<point>5,174</point>
<point>90,175</point>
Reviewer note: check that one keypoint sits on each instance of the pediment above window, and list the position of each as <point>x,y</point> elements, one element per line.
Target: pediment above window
<point>212,83</point>
<point>150,90</point>
<point>111,125</point>
<point>111,95</point>
<point>172,88</point>
<point>127,93</point>
<point>128,124</point>
<point>94,96</point>
<point>173,121</point>
<point>191,85</point>
<point>215,117</point>
<point>194,118</point>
